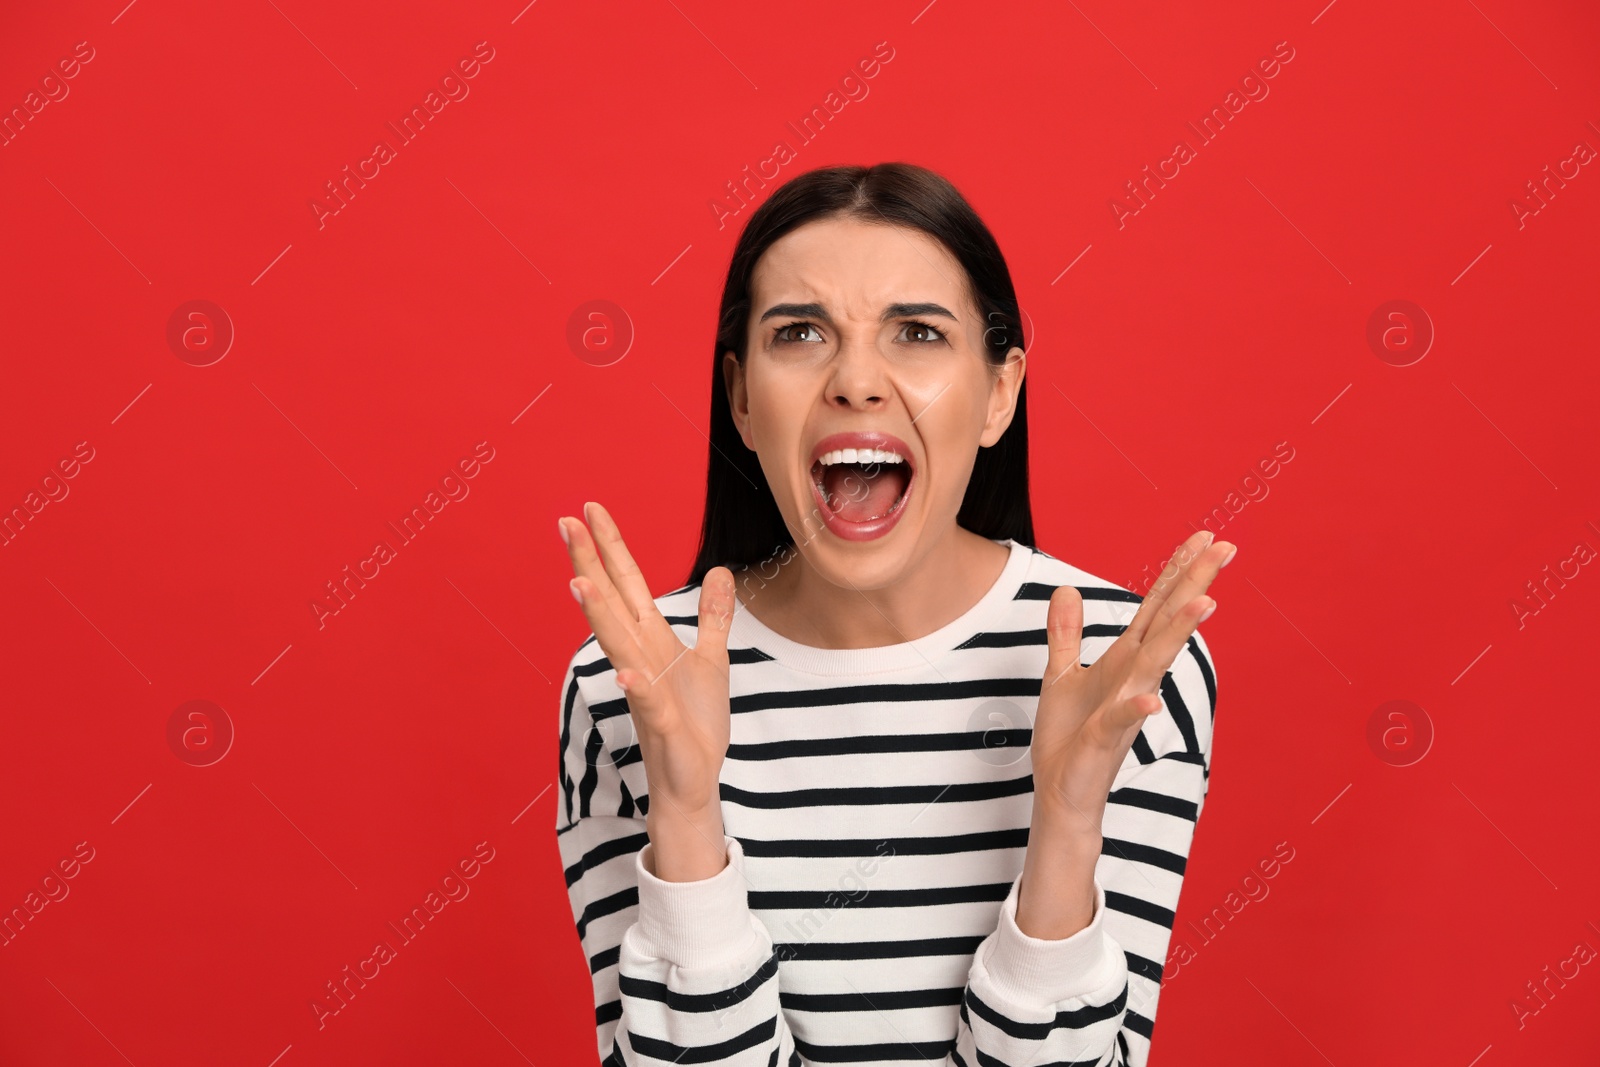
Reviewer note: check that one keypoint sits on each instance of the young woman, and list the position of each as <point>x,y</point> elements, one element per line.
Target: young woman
<point>883,783</point>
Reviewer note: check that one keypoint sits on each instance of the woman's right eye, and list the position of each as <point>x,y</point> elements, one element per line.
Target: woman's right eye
<point>785,334</point>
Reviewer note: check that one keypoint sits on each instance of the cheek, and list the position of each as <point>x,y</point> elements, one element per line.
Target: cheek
<point>951,427</point>
<point>777,416</point>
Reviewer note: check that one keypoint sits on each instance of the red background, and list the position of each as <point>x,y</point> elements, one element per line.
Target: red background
<point>375,351</point>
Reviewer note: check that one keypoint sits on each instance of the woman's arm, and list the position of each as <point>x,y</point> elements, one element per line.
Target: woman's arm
<point>682,970</point>
<point>1107,849</point>
<point>1090,997</point>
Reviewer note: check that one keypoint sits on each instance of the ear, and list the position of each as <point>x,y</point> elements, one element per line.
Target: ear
<point>1007,383</point>
<point>738,399</point>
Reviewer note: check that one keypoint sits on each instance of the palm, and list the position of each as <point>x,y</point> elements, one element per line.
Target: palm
<point>677,695</point>
<point>1088,716</point>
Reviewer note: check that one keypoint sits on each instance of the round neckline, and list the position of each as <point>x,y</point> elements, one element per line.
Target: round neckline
<point>747,631</point>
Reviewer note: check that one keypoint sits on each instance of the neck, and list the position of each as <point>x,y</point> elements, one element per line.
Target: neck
<point>932,591</point>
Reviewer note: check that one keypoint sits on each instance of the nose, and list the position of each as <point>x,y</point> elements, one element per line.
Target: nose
<point>860,379</point>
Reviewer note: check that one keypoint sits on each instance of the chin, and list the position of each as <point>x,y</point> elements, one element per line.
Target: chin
<point>857,560</point>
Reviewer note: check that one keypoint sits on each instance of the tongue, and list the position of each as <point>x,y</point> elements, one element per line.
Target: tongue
<point>858,494</point>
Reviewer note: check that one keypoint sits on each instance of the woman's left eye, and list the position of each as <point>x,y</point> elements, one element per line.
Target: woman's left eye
<point>921,332</point>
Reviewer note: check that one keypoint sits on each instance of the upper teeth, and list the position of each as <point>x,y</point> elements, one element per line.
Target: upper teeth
<point>859,455</point>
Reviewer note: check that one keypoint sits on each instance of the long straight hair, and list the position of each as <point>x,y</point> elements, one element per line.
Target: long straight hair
<point>742,524</point>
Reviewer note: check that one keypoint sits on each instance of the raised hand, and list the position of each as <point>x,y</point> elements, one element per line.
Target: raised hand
<point>1087,720</point>
<point>677,696</point>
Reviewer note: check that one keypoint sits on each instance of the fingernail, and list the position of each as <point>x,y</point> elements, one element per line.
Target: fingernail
<point>1207,613</point>
<point>1229,557</point>
<point>576,595</point>
<point>561,525</point>
<point>1210,537</point>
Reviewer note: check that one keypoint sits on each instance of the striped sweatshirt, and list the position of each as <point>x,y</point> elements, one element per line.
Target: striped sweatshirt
<point>877,804</point>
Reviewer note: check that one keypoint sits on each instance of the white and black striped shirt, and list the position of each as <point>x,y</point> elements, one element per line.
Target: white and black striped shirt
<point>877,803</point>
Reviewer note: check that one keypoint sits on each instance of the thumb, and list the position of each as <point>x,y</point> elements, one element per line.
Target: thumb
<point>1063,632</point>
<point>716,615</point>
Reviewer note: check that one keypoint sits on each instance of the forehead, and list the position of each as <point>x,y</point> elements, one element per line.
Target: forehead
<point>857,268</point>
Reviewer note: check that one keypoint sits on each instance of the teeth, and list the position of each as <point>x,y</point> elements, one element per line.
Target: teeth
<point>859,455</point>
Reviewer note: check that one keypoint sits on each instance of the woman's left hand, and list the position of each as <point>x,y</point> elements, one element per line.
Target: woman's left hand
<point>1086,722</point>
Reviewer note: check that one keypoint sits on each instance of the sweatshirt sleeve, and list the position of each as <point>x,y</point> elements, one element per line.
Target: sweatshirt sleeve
<point>1091,998</point>
<point>683,972</point>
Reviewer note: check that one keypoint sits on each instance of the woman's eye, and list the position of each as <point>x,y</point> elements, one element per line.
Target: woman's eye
<point>921,332</point>
<point>787,333</point>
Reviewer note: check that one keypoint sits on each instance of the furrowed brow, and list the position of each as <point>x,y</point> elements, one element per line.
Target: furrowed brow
<point>802,311</point>
<point>893,311</point>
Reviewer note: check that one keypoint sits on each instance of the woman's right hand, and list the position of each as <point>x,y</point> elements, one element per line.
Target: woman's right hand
<point>677,696</point>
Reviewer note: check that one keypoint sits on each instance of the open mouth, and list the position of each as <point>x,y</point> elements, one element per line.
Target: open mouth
<point>861,482</point>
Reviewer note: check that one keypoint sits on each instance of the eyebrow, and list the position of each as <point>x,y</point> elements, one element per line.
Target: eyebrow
<point>893,311</point>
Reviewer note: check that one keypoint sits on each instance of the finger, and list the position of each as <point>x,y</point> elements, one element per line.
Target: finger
<point>1161,649</point>
<point>1117,723</point>
<point>716,615</point>
<point>586,563</point>
<point>1195,581</point>
<point>624,572</point>
<point>1169,577</point>
<point>616,641</point>
<point>1063,633</point>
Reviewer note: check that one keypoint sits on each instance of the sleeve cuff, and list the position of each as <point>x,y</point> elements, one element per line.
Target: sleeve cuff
<point>694,924</point>
<point>1035,971</point>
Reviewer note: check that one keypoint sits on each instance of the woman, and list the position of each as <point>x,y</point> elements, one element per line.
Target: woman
<point>883,783</point>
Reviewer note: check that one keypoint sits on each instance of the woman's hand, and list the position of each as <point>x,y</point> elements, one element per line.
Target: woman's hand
<point>1086,722</point>
<point>677,696</point>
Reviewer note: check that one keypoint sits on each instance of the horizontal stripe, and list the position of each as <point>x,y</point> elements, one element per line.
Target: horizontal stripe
<point>902,846</point>
<point>923,1052</point>
<point>878,1000</point>
<point>610,850</point>
<point>878,950</point>
<point>879,744</point>
<point>659,1049</point>
<point>599,909</point>
<point>642,989</point>
<point>803,899</point>
<point>871,795</point>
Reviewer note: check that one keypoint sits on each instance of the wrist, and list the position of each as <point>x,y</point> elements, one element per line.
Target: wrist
<point>687,846</point>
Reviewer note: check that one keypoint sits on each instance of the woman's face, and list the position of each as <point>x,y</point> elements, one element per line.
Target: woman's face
<point>865,345</point>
